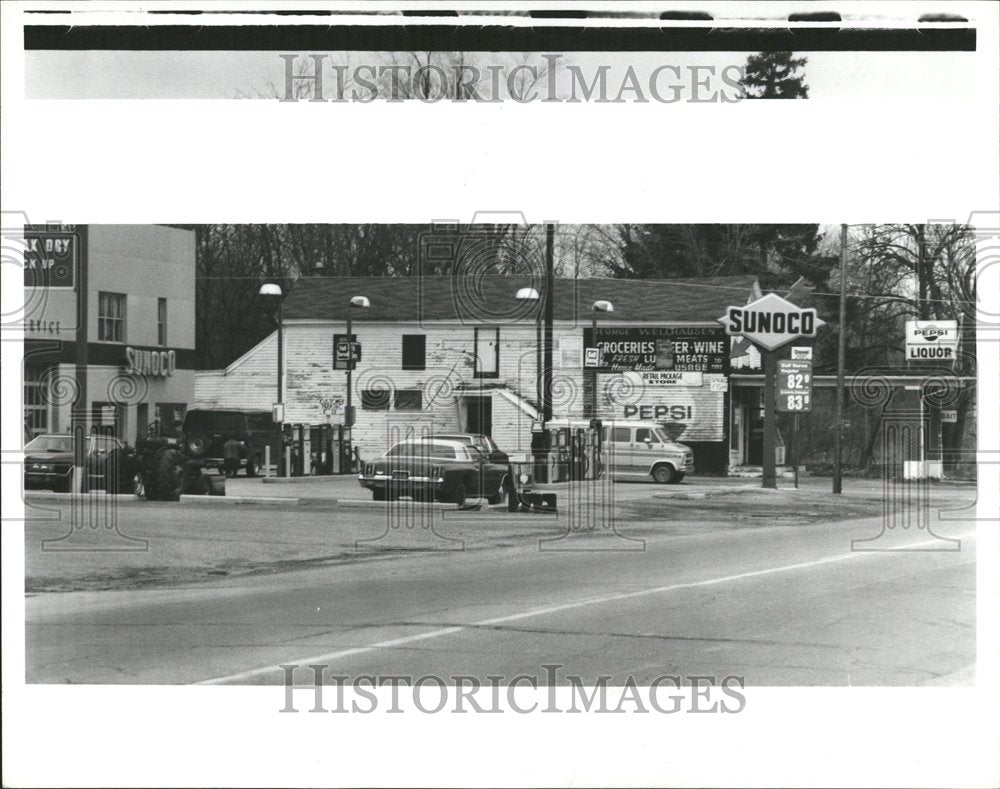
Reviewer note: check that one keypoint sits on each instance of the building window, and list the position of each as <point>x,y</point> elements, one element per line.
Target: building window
<point>487,364</point>
<point>161,321</point>
<point>111,317</point>
<point>414,351</point>
<point>36,400</point>
<point>169,414</point>
<point>408,400</point>
<point>375,400</point>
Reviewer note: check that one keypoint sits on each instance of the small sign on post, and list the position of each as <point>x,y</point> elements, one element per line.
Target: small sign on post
<point>802,353</point>
<point>794,386</point>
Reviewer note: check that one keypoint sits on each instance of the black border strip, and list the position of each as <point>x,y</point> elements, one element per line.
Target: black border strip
<point>491,38</point>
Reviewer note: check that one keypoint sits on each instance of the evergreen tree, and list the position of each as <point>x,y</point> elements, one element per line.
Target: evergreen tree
<point>774,75</point>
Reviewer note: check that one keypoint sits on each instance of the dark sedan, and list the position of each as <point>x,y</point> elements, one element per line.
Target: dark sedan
<point>439,470</point>
<point>49,461</point>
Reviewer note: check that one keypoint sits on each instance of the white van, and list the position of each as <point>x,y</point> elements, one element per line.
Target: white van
<point>643,450</point>
<point>640,450</point>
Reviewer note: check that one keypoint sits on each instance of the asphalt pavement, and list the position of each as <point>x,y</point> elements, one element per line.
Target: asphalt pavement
<point>677,592</point>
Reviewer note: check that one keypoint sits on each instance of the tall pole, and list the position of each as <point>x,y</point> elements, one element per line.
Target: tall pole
<point>281,351</point>
<point>768,475</point>
<point>348,412</point>
<point>841,354</point>
<point>548,296</point>
<point>593,373</point>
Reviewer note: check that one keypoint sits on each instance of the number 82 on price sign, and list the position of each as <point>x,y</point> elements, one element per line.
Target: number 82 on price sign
<point>794,385</point>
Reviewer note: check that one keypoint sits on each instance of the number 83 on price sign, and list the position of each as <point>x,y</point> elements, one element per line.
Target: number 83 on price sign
<point>794,385</point>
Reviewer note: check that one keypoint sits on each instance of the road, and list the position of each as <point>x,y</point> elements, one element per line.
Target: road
<point>776,604</point>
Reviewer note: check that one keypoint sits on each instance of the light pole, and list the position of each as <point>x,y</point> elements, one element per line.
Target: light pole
<point>530,294</point>
<point>598,307</point>
<point>356,303</point>
<point>270,290</point>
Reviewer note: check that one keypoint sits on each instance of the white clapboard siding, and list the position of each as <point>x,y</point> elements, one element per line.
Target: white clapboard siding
<point>315,393</point>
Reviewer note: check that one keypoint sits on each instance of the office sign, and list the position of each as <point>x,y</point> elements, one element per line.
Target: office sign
<point>931,340</point>
<point>771,321</point>
<point>51,258</point>
<point>794,386</point>
<point>659,348</point>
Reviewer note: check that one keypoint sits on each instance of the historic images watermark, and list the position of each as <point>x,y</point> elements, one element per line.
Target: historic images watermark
<point>464,77</point>
<point>429,694</point>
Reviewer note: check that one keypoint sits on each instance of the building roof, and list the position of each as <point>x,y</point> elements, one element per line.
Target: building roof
<point>491,299</point>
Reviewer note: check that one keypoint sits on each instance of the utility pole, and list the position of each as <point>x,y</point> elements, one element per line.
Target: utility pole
<point>841,354</point>
<point>548,297</point>
<point>768,472</point>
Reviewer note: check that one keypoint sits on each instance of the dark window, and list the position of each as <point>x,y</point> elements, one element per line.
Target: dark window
<point>161,321</point>
<point>111,317</point>
<point>644,434</point>
<point>375,400</point>
<point>169,413</point>
<point>414,351</point>
<point>487,353</point>
<point>408,399</point>
<point>36,400</point>
<point>213,422</point>
<point>621,435</point>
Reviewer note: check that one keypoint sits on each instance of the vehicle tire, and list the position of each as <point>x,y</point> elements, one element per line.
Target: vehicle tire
<point>664,474</point>
<point>170,476</point>
<point>501,495</point>
<point>378,494</point>
<point>253,465</point>
<point>458,494</point>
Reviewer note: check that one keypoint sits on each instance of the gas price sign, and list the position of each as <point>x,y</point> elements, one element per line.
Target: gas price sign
<point>794,385</point>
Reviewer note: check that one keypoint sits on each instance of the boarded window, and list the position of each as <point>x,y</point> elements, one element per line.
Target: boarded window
<point>414,351</point>
<point>487,353</point>
<point>375,400</point>
<point>408,399</point>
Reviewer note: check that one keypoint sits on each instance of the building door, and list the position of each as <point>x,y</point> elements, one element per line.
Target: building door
<point>479,415</point>
<point>753,422</point>
<point>141,420</point>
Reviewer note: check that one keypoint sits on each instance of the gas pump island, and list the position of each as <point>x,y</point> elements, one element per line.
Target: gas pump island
<point>771,322</point>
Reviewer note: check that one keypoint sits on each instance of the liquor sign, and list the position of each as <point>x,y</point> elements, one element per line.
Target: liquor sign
<point>771,321</point>
<point>345,352</point>
<point>51,258</point>
<point>794,386</point>
<point>684,349</point>
<point>931,340</point>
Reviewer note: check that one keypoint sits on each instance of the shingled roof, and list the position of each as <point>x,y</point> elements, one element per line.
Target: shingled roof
<point>491,299</point>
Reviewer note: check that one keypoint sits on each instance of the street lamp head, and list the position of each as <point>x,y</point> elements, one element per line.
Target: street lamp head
<point>527,294</point>
<point>603,306</point>
<point>270,289</point>
<point>361,302</point>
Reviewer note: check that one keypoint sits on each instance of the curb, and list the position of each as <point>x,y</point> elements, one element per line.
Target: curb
<point>327,478</point>
<point>371,504</point>
<point>51,494</point>
<point>222,500</point>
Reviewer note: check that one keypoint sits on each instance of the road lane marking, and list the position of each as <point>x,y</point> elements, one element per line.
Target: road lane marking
<point>552,609</point>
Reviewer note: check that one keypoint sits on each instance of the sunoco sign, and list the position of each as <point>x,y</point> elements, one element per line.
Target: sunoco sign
<point>771,321</point>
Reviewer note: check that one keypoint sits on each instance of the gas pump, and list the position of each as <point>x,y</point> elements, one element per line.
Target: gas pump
<point>562,452</point>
